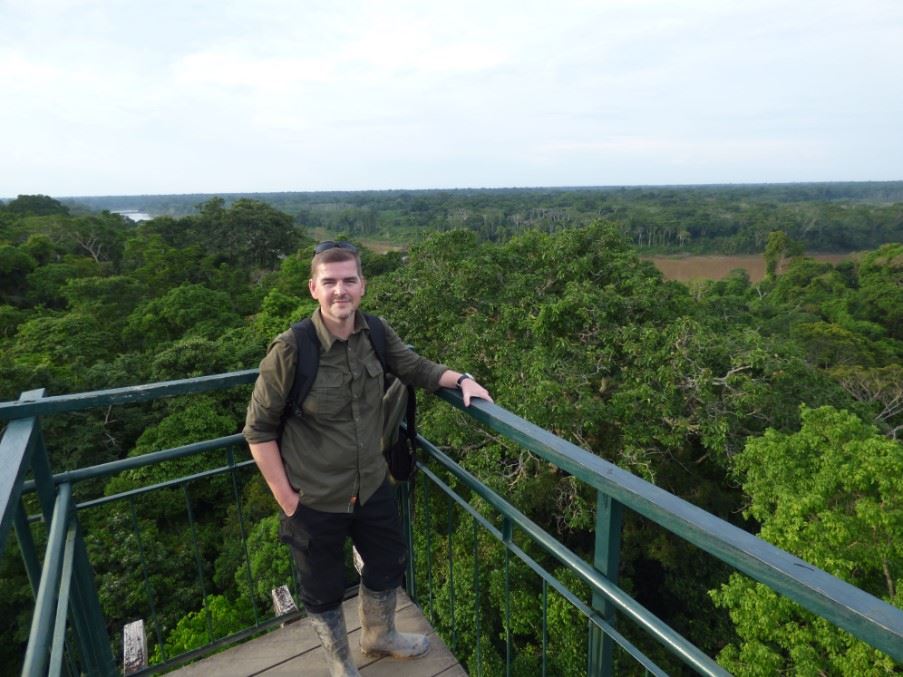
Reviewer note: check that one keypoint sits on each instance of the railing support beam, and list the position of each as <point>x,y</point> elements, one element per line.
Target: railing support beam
<point>606,559</point>
<point>37,654</point>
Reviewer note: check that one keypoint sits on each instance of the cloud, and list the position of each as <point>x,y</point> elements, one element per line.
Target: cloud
<point>18,71</point>
<point>221,68</point>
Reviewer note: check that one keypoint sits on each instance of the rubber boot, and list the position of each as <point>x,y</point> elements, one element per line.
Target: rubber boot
<point>330,628</point>
<point>378,634</point>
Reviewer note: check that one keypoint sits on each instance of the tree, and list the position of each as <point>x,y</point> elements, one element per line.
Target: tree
<point>832,494</point>
<point>187,310</point>
<point>36,205</point>
<point>15,265</point>
<point>251,234</point>
<point>111,297</point>
<point>192,631</point>
<point>102,237</point>
<point>880,387</point>
<point>46,283</point>
<point>881,287</point>
<point>777,248</point>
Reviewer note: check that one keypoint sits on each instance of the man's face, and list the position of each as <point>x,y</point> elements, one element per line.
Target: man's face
<point>338,288</point>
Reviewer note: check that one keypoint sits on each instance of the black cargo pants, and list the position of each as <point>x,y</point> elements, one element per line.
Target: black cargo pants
<point>317,540</point>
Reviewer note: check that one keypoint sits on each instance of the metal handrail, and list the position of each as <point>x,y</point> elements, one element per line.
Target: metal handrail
<point>847,607</point>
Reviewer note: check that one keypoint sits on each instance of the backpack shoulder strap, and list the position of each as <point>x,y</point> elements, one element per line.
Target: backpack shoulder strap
<point>307,347</point>
<point>377,338</point>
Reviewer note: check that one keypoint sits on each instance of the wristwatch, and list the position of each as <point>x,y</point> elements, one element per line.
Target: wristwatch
<point>463,377</point>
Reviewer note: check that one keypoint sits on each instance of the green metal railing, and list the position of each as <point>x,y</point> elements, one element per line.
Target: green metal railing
<point>66,595</point>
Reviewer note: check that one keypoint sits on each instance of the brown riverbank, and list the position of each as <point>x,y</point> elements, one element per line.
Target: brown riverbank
<point>714,267</point>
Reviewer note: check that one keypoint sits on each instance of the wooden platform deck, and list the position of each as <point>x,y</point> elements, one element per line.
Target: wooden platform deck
<point>295,650</point>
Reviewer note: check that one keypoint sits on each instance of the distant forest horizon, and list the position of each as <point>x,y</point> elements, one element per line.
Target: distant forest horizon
<point>699,219</point>
<point>775,404</point>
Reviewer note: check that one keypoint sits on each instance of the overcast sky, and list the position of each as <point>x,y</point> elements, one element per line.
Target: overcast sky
<point>174,96</point>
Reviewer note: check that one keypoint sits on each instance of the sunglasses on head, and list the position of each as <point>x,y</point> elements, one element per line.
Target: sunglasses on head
<point>333,244</point>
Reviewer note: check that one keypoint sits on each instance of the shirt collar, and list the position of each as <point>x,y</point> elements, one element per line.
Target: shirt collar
<point>325,336</point>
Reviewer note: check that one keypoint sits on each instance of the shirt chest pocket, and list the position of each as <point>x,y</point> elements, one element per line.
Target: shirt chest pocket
<point>373,379</point>
<point>329,394</point>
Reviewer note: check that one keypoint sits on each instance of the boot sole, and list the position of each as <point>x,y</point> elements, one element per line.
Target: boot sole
<point>377,653</point>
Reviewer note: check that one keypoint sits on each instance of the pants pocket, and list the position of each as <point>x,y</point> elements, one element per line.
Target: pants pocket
<point>292,534</point>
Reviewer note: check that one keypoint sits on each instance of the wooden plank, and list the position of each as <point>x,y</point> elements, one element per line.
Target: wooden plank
<point>295,650</point>
<point>134,647</point>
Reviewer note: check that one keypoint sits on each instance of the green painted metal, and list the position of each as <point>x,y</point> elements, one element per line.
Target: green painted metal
<point>197,560</point>
<point>429,544</point>
<point>16,449</point>
<point>507,534</point>
<point>57,645</point>
<point>545,625</point>
<point>547,577</point>
<point>451,576</point>
<point>242,531</point>
<point>654,626</point>
<point>403,490</point>
<point>148,588</point>
<point>116,467</point>
<point>85,608</point>
<point>86,604</point>
<point>864,616</point>
<point>168,484</point>
<point>37,654</point>
<point>476,595</point>
<point>27,548</point>
<point>42,406</point>
<point>606,559</point>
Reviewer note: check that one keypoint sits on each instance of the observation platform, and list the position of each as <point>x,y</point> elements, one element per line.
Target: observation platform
<point>295,650</point>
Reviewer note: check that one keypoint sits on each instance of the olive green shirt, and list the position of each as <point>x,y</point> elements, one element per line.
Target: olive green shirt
<point>332,453</point>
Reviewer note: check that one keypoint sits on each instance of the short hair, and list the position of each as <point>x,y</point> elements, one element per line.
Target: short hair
<point>334,255</point>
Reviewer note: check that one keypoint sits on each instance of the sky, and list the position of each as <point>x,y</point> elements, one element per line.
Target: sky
<point>120,97</point>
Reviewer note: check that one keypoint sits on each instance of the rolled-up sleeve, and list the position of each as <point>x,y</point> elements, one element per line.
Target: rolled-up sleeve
<point>408,366</point>
<point>277,371</point>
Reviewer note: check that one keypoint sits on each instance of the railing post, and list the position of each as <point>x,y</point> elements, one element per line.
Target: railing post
<point>27,548</point>
<point>606,561</point>
<point>407,522</point>
<point>37,654</point>
<point>87,617</point>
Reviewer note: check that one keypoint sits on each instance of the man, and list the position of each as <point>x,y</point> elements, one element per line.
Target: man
<point>327,472</point>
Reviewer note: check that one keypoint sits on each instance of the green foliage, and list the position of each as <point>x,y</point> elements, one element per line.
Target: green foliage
<point>46,283</point>
<point>65,344</point>
<point>555,312</point>
<point>16,604</point>
<point>35,205</point>
<point>271,564</point>
<point>15,265</point>
<point>161,267</point>
<point>193,420</point>
<point>832,494</point>
<point>726,219</point>
<point>220,617</point>
<point>41,248</point>
<point>248,234</point>
<point>881,287</point>
<point>115,296</point>
<point>279,311</point>
<point>190,310</point>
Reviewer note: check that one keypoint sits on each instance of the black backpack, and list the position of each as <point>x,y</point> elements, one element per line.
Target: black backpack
<point>400,446</point>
